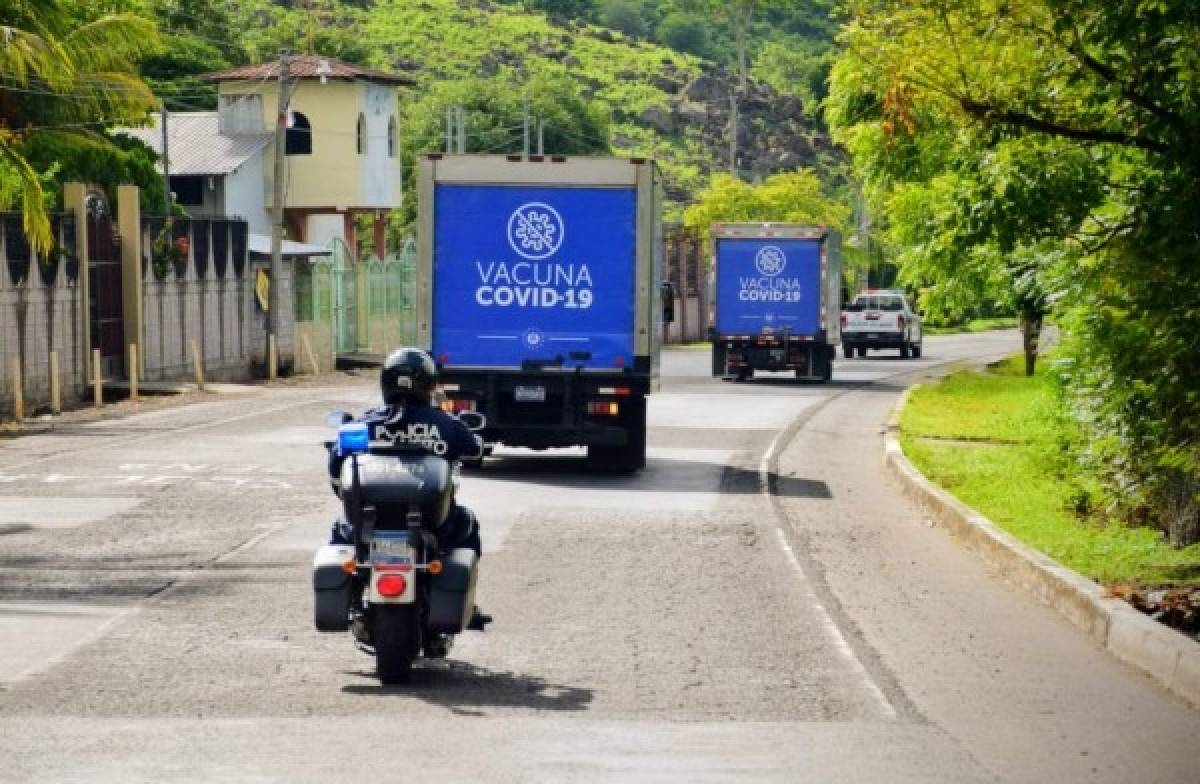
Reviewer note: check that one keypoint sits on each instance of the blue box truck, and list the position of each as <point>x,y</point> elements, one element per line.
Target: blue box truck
<point>538,296</point>
<point>777,299</point>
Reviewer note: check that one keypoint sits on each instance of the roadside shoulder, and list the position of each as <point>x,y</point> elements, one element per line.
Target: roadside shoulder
<point>1163,653</point>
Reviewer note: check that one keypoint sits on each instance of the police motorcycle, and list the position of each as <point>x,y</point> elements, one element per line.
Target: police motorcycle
<point>391,587</point>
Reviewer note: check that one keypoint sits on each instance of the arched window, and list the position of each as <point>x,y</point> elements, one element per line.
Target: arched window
<point>361,134</point>
<point>298,140</point>
<point>392,137</point>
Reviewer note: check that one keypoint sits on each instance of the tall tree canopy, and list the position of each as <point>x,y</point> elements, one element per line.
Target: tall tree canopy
<point>65,71</point>
<point>1053,139</point>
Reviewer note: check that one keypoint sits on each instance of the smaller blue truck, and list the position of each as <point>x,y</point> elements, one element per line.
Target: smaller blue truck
<point>777,300</point>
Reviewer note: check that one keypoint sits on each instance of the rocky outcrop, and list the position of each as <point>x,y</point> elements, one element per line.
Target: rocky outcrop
<point>774,134</point>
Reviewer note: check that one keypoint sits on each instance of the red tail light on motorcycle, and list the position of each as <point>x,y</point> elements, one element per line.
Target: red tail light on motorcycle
<point>391,585</point>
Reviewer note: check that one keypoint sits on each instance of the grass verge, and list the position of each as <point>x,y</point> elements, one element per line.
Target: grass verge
<point>993,439</point>
<point>974,325</point>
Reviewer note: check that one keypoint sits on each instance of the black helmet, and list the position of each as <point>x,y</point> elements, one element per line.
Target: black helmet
<point>408,374</point>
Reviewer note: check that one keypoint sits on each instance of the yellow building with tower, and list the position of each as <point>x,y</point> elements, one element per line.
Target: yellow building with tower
<point>342,149</point>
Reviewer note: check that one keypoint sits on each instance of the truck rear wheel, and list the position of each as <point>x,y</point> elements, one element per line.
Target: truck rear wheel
<point>848,351</point>
<point>905,351</point>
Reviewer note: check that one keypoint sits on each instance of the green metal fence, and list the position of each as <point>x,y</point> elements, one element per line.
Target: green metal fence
<point>366,306</point>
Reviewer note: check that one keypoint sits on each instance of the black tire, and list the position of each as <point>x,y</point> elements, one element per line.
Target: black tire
<point>397,640</point>
<point>904,351</point>
<point>916,350</point>
<point>745,374</point>
<point>848,351</point>
<point>862,351</point>
<point>629,457</point>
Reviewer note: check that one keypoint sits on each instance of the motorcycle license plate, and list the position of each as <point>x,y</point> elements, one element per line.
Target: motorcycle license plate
<point>530,394</point>
<point>390,551</point>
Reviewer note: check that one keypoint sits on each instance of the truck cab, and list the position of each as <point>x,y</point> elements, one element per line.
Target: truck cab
<point>879,319</point>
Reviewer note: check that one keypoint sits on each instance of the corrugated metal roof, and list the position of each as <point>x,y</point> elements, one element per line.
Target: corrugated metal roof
<point>307,67</point>
<point>196,147</point>
<point>260,244</point>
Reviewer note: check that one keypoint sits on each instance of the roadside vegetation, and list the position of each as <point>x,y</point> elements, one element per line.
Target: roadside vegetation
<point>972,325</point>
<point>1042,155</point>
<point>999,441</point>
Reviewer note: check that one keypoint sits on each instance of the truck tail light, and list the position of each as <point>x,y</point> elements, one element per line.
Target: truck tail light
<point>457,405</point>
<point>618,391</point>
<point>619,362</point>
<point>604,408</point>
<point>900,322</point>
<point>845,319</point>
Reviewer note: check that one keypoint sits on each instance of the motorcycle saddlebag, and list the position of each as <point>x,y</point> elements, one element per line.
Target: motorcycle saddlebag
<point>452,594</point>
<point>332,588</point>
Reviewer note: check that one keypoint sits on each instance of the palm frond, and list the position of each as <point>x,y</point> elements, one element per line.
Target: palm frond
<point>25,54</point>
<point>111,43</point>
<point>33,205</point>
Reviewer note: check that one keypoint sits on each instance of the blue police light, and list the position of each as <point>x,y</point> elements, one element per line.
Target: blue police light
<point>353,439</point>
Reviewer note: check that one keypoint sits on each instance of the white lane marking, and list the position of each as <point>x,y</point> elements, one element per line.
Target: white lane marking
<point>49,632</point>
<point>831,629</point>
<point>834,633</point>
<point>57,512</point>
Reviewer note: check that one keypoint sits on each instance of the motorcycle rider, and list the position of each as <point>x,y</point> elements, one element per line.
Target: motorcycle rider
<point>408,382</point>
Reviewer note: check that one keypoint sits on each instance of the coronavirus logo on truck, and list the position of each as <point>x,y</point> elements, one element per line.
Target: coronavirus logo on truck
<point>770,261</point>
<point>536,231</point>
<point>770,286</point>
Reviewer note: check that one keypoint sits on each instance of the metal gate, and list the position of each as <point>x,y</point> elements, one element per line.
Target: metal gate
<point>369,306</point>
<point>105,315</point>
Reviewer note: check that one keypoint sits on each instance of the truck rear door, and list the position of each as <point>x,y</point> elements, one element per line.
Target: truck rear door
<point>768,286</point>
<point>534,276</point>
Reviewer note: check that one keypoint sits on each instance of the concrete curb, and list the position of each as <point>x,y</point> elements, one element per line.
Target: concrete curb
<point>1171,658</point>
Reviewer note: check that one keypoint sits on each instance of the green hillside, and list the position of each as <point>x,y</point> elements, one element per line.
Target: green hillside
<point>655,101</point>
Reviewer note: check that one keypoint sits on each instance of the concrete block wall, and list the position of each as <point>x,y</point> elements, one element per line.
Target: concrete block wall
<point>210,303</point>
<point>39,314</point>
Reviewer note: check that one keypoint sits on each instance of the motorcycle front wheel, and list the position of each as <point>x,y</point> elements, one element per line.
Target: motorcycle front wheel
<point>397,640</point>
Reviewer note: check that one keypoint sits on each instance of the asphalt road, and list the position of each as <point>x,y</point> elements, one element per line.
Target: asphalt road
<point>680,625</point>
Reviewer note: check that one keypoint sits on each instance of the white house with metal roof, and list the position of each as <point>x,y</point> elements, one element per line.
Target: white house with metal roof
<point>213,174</point>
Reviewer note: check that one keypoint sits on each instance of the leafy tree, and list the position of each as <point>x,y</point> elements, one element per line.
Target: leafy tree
<point>495,123</point>
<point>627,16</point>
<point>788,197</point>
<point>1117,82</point>
<point>201,36</point>
<point>67,70</point>
<point>685,33</point>
<point>795,65</point>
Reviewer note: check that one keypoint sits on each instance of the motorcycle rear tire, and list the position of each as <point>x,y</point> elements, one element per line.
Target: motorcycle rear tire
<point>397,641</point>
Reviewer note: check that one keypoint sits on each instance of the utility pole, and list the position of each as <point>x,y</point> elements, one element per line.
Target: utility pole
<point>308,7</point>
<point>462,130</point>
<point>541,128</point>
<point>277,204</point>
<point>166,160</point>
<point>449,130</point>
<point>733,133</point>
<point>526,104</point>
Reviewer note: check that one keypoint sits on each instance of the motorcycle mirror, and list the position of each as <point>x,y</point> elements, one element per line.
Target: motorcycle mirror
<point>337,418</point>
<point>474,420</point>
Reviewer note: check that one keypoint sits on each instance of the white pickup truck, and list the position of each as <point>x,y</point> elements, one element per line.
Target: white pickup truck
<point>881,318</point>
